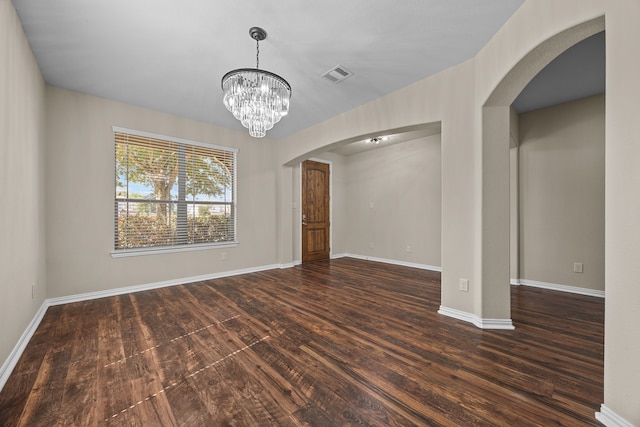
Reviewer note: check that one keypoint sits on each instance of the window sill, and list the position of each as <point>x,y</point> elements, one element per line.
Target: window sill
<point>122,253</point>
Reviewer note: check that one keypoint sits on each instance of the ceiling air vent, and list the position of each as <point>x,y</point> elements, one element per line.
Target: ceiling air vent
<point>337,74</point>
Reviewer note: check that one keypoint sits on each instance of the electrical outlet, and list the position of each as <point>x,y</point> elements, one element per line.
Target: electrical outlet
<point>223,256</point>
<point>409,249</point>
<point>464,285</point>
<point>371,245</point>
<point>578,267</point>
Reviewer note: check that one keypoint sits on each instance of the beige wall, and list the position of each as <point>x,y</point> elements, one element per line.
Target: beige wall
<point>561,163</point>
<point>538,32</point>
<point>403,182</point>
<point>622,211</point>
<point>514,222</point>
<point>80,192</point>
<point>22,210</point>
<point>393,201</point>
<point>79,164</point>
<point>446,98</point>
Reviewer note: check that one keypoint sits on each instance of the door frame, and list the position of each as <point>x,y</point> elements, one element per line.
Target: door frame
<point>298,219</point>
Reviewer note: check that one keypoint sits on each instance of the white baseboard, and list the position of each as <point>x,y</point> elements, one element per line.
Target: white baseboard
<point>610,419</point>
<point>156,285</point>
<point>503,324</point>
<point>287,265</point>
<point>506,324</point>
<point>391,261</point>
<point>14,356</point>
<point>561,288</point>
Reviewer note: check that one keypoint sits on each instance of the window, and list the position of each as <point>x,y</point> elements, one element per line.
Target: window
<point>171,192</point>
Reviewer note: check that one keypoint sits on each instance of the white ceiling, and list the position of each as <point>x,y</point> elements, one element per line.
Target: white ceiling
<point>170,55</point>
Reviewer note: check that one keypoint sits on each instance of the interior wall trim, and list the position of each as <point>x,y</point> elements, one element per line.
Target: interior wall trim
<point>390,261</point>
<point>156,285</point>
<point>610,419</point>
<point>505,324</point>
<point>14,356</point>
<point>562,288</point>
<point>287,265</point>
<point>502,324</point>
<point>11,362</point>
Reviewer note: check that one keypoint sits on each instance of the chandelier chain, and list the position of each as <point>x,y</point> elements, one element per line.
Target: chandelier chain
<point>257,53</point>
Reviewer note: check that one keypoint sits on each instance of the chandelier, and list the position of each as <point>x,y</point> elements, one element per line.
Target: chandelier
<point>258,98</point>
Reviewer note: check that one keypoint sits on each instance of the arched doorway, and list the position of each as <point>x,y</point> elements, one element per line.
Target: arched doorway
<point>494,300</point>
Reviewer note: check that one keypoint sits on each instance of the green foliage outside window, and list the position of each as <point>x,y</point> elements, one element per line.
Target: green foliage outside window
<point>172,193</point>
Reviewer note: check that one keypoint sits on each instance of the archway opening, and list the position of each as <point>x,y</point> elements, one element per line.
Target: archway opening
<point>497,139</point>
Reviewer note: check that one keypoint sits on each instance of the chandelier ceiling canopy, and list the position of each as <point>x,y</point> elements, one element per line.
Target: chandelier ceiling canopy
<point>258,98</point>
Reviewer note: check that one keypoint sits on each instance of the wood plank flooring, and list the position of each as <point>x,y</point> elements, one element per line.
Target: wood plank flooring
<point>330,343</point>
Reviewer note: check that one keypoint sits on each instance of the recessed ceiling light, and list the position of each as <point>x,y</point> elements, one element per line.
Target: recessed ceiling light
<point>376,140</point>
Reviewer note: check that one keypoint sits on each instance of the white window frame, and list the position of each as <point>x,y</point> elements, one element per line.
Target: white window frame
<point>185,247</point>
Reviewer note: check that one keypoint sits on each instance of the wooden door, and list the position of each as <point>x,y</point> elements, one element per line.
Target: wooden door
<point>315,211</point>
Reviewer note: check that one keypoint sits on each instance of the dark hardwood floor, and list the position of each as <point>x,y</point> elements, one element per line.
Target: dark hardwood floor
<point>330,343</point>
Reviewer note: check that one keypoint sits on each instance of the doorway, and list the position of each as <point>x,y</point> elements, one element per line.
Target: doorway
<point>315,211</point>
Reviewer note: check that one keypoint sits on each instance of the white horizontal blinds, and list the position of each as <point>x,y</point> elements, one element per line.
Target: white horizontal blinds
<point>172,193</point>
<point>209,194</point>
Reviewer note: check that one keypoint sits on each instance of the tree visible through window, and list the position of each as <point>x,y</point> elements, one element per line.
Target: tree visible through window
<point>172,192</point>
